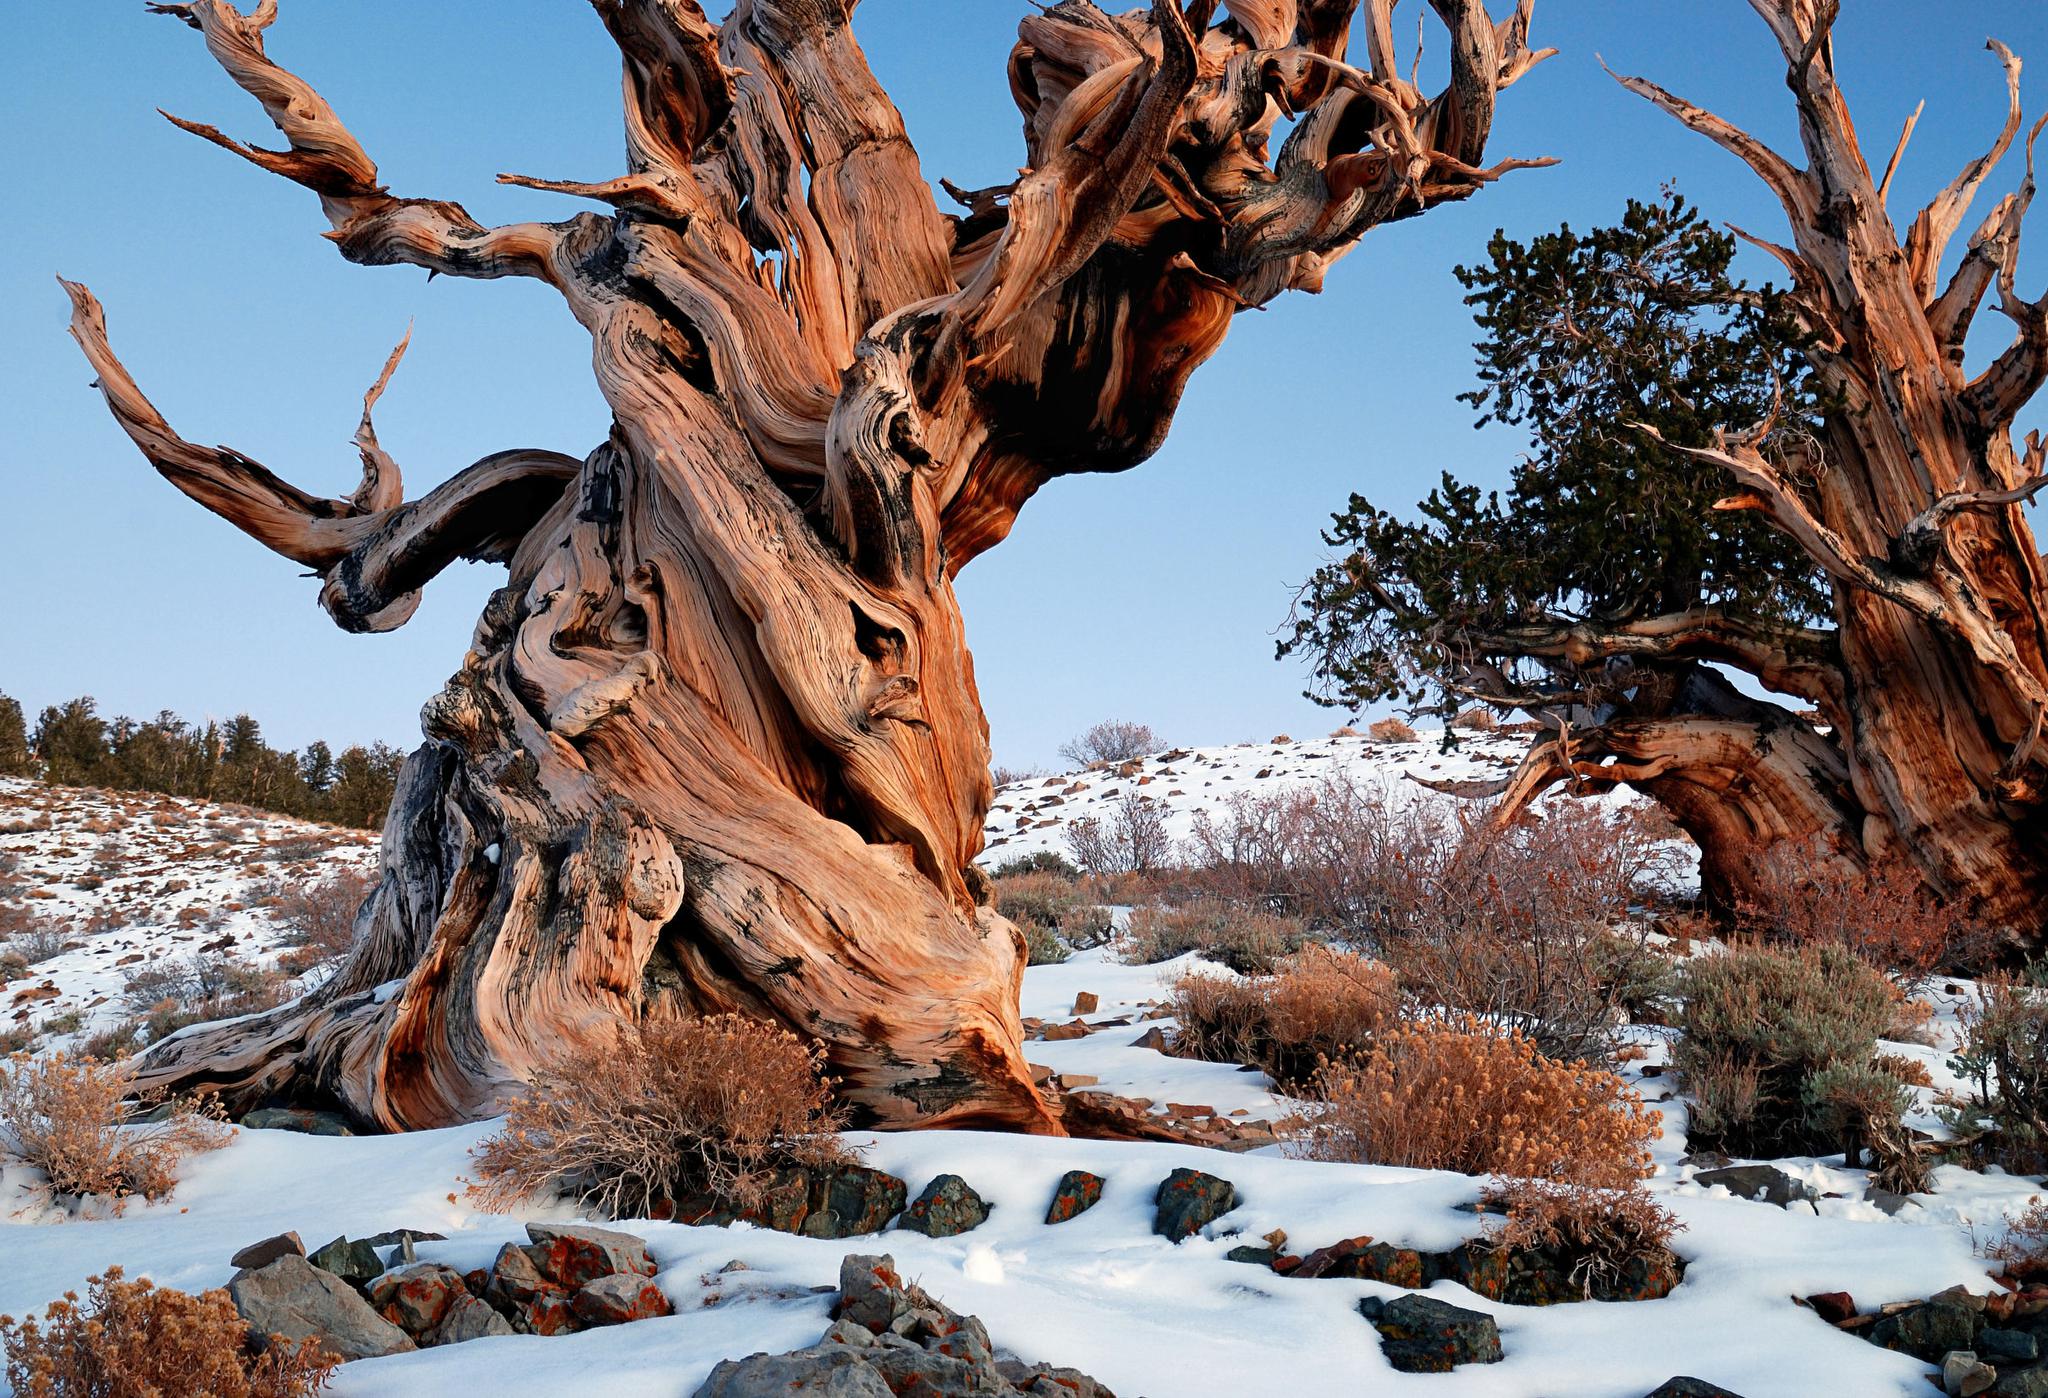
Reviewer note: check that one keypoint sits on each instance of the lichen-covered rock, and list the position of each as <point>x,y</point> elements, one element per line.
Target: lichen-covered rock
<point>1365,1260</point>
<point>516,1278</point>
<point>417,1298</point>
<point>1422,1335</point>
<point>1077,1192</point>
<point>574,1255</point>
<point>549,1313</point>
<point>293,1298</point>
<point>1927,1331</point>
<point>845,1201</point>
<point>352,1262</point>
<point>947,1207</point>
<point>1189,1201</point>
<point>620,1298</point>
<point>467,1319</point>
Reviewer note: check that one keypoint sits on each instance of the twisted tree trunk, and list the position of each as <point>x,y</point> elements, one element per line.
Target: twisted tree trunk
<point>1933,682</point>
<point>717,744</point>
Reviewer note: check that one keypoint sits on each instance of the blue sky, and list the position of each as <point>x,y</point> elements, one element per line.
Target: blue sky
<point>1152,595</point>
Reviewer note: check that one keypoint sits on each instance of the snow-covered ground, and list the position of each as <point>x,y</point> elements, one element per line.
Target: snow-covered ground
<point>1099,1293</point>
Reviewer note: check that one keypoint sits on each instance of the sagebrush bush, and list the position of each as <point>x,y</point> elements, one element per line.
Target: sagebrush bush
<point>1883,912</point>
<point>673,1110</point>
<point>2003,1053</point>
<point>1246,940</point>
<point>1132,840</point>
<point>1758,1026</point>
<point>136,1340</point>
<point>1477,719</point>
<point>1319,1004</point>
<point>1454,1092</point>
<point>1390,730</point>
<point>65,1114</point>
<point>1862,1107</point>
<point>1055,913</point>
<point>1111,741</point>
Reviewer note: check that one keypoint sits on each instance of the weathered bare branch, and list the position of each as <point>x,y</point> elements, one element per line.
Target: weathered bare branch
<point>1928,238</point>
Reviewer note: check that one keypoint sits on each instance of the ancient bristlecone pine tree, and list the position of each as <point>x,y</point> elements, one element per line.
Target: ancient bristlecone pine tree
<point>717,745</point>
<point>1933,680</point>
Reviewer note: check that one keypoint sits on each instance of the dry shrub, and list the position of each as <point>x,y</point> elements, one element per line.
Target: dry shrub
<point>1246,940</point>
<point>1477,719</point>
<point>1113,741</point>
<point>1760,1025</point>
<point>2022,1250</point>
<point>1884,912</point>
<point>2004,1054</point>
<point>135,1340</point>
<point>320,918</point>
<point>1337,854</point>
<point>1133,840</point>
<point>1390,730</point>
<point>1602,1229</point>
<point>673,1110</point>
<point>1054,913</point>
<point>1320,1004</point>
<point>1455,1092</point>
<point>1528,925</point>
<point>64,1114</point>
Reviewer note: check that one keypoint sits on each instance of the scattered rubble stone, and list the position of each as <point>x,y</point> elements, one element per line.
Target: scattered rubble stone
<point>1527,1277</point>
<point>890,1338</point>
<point>299,1119</point>
<point>1189,1201</point>
<point>948,1206</point>
<point>1834,1307</point>
<point>617,1299</point>
<point>844,1201</point>
<point>468,1319</point>
<point>574,1255</point>
<point>1963,1375</point>
<point>1077,1192</point>
<point>416,1299</point>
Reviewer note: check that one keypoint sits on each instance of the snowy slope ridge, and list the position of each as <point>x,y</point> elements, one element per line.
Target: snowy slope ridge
<point>133,878</point>
<point>1034,814</point>
<point>1099,1293</point>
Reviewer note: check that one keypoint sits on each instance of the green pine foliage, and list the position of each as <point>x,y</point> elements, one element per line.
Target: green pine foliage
<point>1582,336</point>
<point>72,745</point>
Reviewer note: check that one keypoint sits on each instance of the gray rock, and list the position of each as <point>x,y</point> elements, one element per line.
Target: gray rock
<point>2013,1347</point>
<point>1927,1331</point>
<point>2022,1383</point>
<point>352,1262</point>
<point>516,1278</point>
<point>1963,1375</point>
<point>948,1206</point>
<point>1422,1335</point>
<point>468,1319</point>
<point>299,1119</point>
<point>824,1372</point>
<point>1258,1257</point>
<point>1683,1387</point>
<point>268,1251</point>
<point>1189,1201</point>
<point>293,1298</point>
<point>1765,1182</point>
<point>1887,1202</point>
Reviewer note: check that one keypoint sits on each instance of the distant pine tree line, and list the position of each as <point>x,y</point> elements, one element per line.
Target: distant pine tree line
<point>72,745</point>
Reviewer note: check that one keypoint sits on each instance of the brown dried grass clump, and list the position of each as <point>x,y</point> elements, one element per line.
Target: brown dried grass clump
<point>1604,1228</point>
<point>135,1340</point>
<point>1318,1004</point>
<point>1478,719</point>
<point>1390,730</point>
<point>64,1115</point>
<point>672,1110</point>
<point>1456,1093</point>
